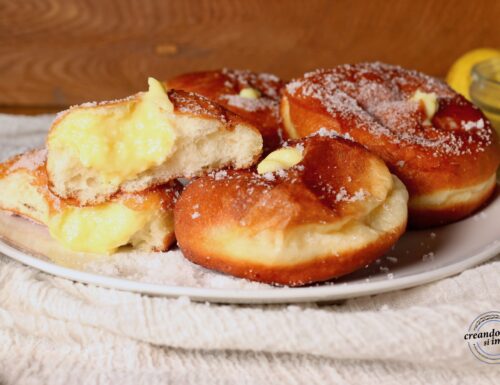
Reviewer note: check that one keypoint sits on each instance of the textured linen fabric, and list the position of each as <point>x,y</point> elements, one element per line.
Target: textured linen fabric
<point>55,331</point>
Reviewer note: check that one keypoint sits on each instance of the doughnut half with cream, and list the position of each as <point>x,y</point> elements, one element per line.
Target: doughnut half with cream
<point>439,144</point>
<point>316,209</point>
<point>143,219</point>
<point>253,96</point>
<point>129,145</point>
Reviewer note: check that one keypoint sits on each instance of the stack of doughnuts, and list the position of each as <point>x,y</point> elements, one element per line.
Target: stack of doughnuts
<point>287,184</point>
<point>439,144</point>
<point>107,178</point>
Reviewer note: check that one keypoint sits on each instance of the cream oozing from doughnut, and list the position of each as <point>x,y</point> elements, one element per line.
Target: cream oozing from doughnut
<point>333,211</point>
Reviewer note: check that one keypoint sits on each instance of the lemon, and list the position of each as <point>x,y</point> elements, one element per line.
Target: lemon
<point>459,75</point>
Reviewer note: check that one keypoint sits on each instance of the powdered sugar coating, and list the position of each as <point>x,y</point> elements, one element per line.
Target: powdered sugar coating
<point>267,84</point>
<point>31,161</point>
<point>169,268</point>
<point>93,105</point>
<point>251,105</point>
<point>377,97</point>
<point>333,134</point>
<point>195,104</point>
<point>467,126</point>
<point>322,185</point>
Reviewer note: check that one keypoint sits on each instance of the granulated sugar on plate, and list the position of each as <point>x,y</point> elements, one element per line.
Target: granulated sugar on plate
<point>170,269</point>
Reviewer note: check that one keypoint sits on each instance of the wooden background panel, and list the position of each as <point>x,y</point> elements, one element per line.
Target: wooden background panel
<point>60,52</point>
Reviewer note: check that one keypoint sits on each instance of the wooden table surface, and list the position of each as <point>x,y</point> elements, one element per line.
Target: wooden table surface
<point>54,53</point>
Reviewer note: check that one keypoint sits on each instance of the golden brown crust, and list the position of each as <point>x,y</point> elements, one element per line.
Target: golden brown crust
<point>33,163</point>
<point>336,181</point>
<point>190,103</point>
<point>32,160</point>
<point>322,187</point>
<point>370,102</point>
<point>223,86</point>
<point>321,269</point>
<point>423,218</point>
<point>168,241</point>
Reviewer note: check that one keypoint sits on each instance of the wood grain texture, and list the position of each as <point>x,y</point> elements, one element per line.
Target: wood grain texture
<point>60,52</point>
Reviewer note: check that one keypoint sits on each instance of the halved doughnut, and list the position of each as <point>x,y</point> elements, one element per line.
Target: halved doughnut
<point>439,144</point>
<point>129,145</point>
<point>329,213</point>
<point>143,219</point>
<point>254,96</point>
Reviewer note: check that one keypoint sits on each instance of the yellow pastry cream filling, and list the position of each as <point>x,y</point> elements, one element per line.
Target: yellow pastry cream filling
<point>250,93</point>
<point>281,159</point>
<point>429,101</point>
<point>103,228</point>
<point>119,139</point>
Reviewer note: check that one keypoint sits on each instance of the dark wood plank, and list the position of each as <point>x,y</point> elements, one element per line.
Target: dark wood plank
<point>59,52</point>
<point>30,110</point>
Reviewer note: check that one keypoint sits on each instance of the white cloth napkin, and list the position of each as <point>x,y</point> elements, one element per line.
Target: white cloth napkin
<point>54,331</point>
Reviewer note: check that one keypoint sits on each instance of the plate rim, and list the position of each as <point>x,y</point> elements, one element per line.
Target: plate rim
<point>277,295</point>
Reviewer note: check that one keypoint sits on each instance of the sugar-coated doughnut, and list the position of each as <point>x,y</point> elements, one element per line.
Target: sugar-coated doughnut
<point>254,96</point>
<point>143,219</point>
<point>439,144</point>
<point>321,207</point>
<point>149,139</point>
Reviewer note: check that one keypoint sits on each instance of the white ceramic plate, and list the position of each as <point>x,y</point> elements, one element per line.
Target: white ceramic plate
<point>419,257</point>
